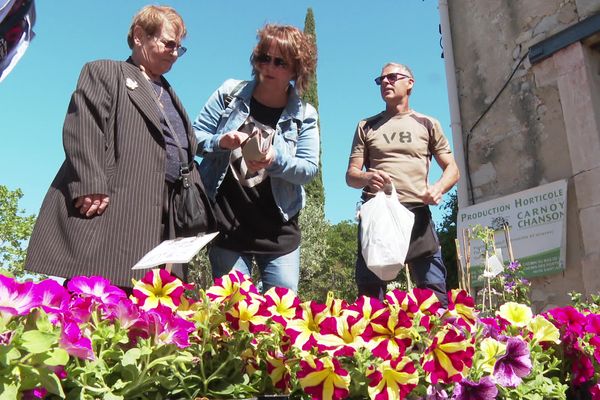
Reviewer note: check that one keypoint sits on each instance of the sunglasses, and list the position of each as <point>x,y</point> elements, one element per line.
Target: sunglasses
<point>171,46</point>
<point>266,59</point>
<point>392,78</point>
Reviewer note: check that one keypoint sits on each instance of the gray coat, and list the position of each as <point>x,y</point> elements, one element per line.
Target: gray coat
<point>114,145</point>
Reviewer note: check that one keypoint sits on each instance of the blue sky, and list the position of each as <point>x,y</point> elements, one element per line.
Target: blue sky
<point>355,38</point>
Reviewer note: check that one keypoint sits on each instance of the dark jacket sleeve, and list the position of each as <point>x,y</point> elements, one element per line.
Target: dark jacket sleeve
<point>84,137</point>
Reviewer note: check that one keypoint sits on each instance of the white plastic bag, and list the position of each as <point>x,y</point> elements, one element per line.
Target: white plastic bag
<point>386,226</point>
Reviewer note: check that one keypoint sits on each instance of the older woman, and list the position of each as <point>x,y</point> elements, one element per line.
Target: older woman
<point>259,195</point>
<point>109,203</point>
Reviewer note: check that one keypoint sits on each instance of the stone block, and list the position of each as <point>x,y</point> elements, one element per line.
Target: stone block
<point>587,188</point>
<point>589,219</point>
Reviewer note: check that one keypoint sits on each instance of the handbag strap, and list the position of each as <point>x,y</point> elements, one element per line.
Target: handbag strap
<point>184,168</point>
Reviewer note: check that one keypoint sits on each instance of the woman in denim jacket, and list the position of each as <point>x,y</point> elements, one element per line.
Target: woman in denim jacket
<point>259,194</point>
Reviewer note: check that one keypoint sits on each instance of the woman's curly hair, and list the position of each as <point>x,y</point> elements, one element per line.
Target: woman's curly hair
<point>297,48</point>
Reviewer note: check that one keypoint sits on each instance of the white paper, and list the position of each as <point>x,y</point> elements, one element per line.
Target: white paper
<point>494,267</point>
<point>174,251</point>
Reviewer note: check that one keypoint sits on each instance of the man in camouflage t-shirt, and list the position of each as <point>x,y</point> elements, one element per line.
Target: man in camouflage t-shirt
<point>397,146</point>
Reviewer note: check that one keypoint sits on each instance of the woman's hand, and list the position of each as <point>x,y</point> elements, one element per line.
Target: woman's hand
<point>92,204</point>
<point>264,163</point>
<point>232,140</point>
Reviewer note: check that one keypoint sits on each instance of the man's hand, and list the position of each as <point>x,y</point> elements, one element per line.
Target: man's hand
<point>92,204</point>
<point>432,195</point>
<point>264,163</point>
<point>377,179</point>
<point>232,140</point>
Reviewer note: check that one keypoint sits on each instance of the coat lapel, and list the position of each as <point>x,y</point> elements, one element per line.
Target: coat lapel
<point>141,93</point>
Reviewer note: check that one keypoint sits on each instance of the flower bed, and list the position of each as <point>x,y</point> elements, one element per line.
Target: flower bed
<point>90,341</point>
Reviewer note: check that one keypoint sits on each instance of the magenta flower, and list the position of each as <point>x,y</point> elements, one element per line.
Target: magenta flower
<point>582,367</point>
<point>485,389</point>
<point>130,317</point>
<point>53,297</point>
<point>17,298</point>
<point>169,328</point>
<point>96,287</point>
<point>80,309</point>
<point>74,342</point>
<point>569,318</point>
<point>514,365</point>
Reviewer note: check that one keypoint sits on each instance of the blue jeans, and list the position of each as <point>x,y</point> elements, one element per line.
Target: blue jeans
<point>275,270</point>
<point>427,272</point>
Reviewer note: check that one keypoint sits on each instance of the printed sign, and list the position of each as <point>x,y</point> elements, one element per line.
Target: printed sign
<point>537,221</point>
<point>175,251</point>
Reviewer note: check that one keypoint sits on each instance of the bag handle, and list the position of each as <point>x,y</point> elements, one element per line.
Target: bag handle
<point>185,168</point>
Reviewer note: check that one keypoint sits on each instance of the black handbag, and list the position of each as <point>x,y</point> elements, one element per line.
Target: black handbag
<point>423,239</point>
<point>192,209</point>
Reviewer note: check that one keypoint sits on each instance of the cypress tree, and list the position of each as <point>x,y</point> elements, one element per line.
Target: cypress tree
<point>314,190</point>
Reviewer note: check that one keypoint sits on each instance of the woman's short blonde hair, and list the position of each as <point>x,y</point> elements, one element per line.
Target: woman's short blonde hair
<point>152,18</point>
<point>296,47</point>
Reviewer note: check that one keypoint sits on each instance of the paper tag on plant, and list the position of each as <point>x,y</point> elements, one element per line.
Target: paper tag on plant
<point>494,267</point>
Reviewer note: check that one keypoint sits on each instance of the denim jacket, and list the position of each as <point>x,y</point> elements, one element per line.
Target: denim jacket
<point>296,144</point>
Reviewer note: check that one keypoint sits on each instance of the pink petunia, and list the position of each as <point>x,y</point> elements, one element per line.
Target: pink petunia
<point>54,298</point>
<point>17,298</point>
<point>168,328</point>
<point>74,342</point>
<point>96,287</point>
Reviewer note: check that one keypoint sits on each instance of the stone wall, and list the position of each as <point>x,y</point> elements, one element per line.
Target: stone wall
<point>542,127</point>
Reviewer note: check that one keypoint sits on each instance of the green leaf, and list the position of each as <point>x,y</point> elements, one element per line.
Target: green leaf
<point>8,354</point>
<point>42,322</point>
<point>9,392</point>
<point>57,357</point>
<point>37,342</point>
<point>51,382</point>
<point>110,396</point>
<point>131,356</point>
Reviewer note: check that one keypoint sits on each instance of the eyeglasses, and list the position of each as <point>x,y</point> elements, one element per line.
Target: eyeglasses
<point>392,78</point>
<point>266,59</point>
<point>171,45</point>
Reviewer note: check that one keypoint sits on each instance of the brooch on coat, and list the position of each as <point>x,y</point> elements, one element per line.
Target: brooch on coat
<point>131,84</point>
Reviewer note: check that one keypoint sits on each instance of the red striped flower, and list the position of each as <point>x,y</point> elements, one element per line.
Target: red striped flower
<point>323,378</point>
<point>449,357</point>
<point>305,330</point>
<point>392,379</point>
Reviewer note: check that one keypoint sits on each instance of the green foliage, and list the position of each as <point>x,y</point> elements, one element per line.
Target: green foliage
<point>313,250</point>
<point>29,355</point>
<point>15,228</point>
<point>314,189</point>
<point>447,233</point>
<point>336,273</point>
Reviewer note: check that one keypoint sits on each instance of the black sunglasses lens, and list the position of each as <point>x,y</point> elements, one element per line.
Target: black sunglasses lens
<point>263,58</point>
<point>279,62</point>
<point>378,80</point>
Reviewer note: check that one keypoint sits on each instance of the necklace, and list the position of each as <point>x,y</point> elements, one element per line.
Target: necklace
<point>159,93</point>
